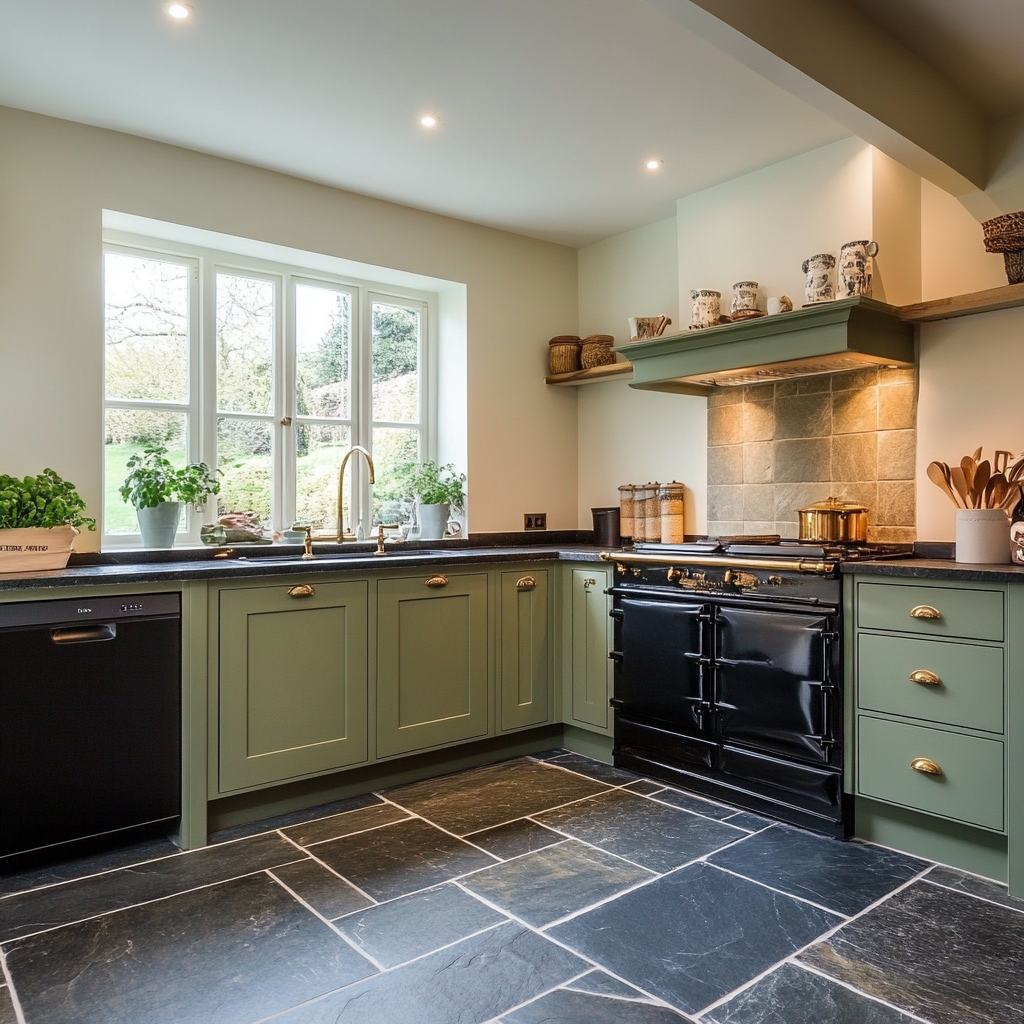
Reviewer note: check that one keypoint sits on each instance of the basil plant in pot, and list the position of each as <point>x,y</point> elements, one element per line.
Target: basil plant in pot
<point>158,491</point>
<point>439,491</point>
<point>40,516</point>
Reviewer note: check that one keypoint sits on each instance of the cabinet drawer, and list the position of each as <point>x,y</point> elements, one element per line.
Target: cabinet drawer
<point>970,788</point>
<point>969,693</point>
<point>974,614</point>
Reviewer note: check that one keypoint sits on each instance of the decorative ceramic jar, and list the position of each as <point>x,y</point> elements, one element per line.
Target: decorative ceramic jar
<point>855,269</point>
<point>820,284</point>
<point>744,296</point>
<point>707,308</point>
<point>644,328</point>
<point>982,536</point>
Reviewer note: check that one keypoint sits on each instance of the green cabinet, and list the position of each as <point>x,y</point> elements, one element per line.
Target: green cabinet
<point>524,680</point>
<point>432,681</point>
<point>292,674</point>
<point>591,642</point>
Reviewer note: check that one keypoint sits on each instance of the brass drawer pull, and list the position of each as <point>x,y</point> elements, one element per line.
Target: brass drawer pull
<point>926,767</point>
<point>925,611</point>
<point>588,583</point>
<point>437,581</point>
<point>926,678</point>
<point>301,590</point>
<point>526,583</point>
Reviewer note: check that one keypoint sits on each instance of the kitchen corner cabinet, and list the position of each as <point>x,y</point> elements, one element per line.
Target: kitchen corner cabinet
<point>432,671</point>
<point>931,669</point>
<point>524,674</point>
<point>292,665</point>
<point>591,672</point>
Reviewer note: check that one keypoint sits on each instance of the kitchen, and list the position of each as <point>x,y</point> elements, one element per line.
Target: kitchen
<point>759,225</point>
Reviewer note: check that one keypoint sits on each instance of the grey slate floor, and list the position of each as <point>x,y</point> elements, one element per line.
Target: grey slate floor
<point>543,890</point>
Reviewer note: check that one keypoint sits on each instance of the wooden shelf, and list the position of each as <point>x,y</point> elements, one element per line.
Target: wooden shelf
<point>963,305</point>
<point>612,371</point>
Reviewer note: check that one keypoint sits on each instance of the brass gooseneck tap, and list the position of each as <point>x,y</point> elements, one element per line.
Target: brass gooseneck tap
<point>342,534</point>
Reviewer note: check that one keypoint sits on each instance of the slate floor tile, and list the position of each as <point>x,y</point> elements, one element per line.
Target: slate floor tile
<point>395,932</point>
<point>547,755</point>
<point>697,804</point>
<point>641,830</point>
<point>595,769</point>
<point>484,797</point>
<point>7,1013</point>
<point>845,877</point>
<point>695,935</point>
<point>750,822</point>
<point>945,956</point>
<point>566,1006</point>
<point>515,838</point>
<point>791,995</point>
<point>603,984</point>
<point>963,881</point>
<point>400,858</point>
<point>90,864</point>
<point>321,888</point>
<point>476,980</point>
<point>290,818</point>
<point>645,787</point>
<point>33,911</point>
<point>548,885</point>
<point>345,824</point>
<point>225,954</point>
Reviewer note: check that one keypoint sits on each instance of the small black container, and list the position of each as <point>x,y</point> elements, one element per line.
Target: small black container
<point>606,527</point>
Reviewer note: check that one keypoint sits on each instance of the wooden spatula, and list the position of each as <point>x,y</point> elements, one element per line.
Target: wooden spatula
<point>941,480</point>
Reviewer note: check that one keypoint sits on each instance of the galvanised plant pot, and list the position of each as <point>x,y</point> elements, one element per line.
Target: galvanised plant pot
<point>159,524</point>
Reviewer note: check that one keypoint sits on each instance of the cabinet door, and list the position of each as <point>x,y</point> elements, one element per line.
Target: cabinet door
<point>523,662</point>
<point>431,661</point>
<point>591,642</point>
<point>293,680</point>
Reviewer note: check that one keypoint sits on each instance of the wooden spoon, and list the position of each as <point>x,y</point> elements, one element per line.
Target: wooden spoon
<point>981,478</point>
<point>937,477</point>
<point>995,493</point>
<point>970,467</point>
<point>977,455</point>
<point>959,481</point>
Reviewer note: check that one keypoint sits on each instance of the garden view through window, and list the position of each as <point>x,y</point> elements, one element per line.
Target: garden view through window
<point>269,375</point>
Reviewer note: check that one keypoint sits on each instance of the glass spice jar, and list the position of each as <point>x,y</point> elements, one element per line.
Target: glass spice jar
<point>652,513</point>
<point>671,498</point>
<point>626,511</point>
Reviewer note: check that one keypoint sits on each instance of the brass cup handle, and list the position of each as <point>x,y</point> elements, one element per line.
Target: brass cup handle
<point>925,678</point>
<point>926,767</point>
<point>588,583</point>
<point>301,590</point>
<point>437,581</point>
<point>526,583</point>
<point>925,611</point>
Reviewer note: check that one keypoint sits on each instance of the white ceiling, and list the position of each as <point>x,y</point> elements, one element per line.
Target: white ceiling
<point>549,107</point>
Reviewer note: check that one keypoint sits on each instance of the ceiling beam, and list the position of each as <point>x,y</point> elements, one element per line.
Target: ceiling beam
<point>826,54</point>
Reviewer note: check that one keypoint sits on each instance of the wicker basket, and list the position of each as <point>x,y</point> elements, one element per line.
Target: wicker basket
<point>564,353</point>
<point>1005,234</point>
<point>597,351</point>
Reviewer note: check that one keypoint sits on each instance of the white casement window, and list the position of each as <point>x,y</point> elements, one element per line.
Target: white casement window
<point>268,372</point>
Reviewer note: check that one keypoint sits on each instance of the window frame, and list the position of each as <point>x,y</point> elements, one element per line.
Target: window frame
<point>203,411</point>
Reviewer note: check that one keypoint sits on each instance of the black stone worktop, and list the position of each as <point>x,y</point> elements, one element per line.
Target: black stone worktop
<point>193,564</point>
<point>937,569</point>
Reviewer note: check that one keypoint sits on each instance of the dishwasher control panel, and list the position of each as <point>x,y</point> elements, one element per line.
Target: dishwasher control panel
<point>94,609</point>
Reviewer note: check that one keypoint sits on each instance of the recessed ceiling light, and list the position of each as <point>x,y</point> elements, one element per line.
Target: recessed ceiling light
<point>179,11</point>
<point>654,165</point>
<point>428,121</point>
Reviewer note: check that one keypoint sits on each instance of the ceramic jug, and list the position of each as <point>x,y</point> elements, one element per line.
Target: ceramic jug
<point>707,308</point>
<point>744,296</point>
<point>855,268</point>
<point>820,284</point>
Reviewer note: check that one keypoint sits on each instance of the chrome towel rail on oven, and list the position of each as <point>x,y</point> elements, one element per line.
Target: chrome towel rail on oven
<point>774,564</point>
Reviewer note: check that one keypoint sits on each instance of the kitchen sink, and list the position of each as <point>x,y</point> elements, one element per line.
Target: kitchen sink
<point>349,556</point>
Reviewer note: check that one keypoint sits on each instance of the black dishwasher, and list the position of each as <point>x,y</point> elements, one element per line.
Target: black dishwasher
<point>90,723</point>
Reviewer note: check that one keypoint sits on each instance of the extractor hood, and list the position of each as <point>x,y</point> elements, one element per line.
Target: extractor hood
<point>849,334</point>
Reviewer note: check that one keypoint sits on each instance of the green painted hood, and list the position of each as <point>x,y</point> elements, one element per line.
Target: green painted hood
<point>848,334</point>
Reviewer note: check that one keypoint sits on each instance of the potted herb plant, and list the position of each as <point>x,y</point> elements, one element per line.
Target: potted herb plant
<point>40,516</point>
<point>439,491</point>
<point>158,491</point>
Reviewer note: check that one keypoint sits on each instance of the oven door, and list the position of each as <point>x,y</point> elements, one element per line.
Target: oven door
<point>774,685</point>
<point>665,667</point>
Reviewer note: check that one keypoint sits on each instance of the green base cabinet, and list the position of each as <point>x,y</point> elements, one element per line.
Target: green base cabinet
<point>591,642</point>
<point>432,680</point>
<point>292,669</point>
<point>524,674</point>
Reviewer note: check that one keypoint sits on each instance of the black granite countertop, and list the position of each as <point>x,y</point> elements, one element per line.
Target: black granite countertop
<point>202,564</point>
<point>937,569</point>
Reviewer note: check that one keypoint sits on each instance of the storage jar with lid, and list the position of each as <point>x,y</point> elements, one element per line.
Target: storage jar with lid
<point>626,505</point>
<point>671,500</point>
<point>652,513</point>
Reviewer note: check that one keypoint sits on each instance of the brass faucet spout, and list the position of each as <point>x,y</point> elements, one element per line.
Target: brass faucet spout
<point>342,534</point>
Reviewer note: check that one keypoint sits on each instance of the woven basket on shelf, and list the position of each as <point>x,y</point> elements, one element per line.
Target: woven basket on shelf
<point>597,351</point>
<point>1005,234</point>
<point>564,353</point>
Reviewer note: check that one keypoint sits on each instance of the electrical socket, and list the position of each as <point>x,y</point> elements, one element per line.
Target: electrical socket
<point>535,521</point>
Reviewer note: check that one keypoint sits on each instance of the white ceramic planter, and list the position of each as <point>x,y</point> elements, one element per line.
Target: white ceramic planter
<point>159,525</point>
<point>982,536</point>
<point>433,520</point>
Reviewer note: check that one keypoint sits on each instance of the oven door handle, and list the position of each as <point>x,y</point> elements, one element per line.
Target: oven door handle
<point>827,739</point>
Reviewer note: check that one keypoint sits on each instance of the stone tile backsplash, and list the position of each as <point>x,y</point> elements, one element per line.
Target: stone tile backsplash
<point>774,448</point>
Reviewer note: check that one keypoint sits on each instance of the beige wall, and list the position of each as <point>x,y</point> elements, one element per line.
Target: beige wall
<point>628,436</point>
<point>56,178</point>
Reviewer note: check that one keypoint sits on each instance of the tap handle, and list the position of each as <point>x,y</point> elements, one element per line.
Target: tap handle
<point>307,543</point>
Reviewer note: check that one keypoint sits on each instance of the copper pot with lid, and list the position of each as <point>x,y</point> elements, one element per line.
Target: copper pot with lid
<point>833,521</point>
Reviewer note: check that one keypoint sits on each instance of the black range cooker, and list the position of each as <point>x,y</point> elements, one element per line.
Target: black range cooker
<point>729,673</point>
